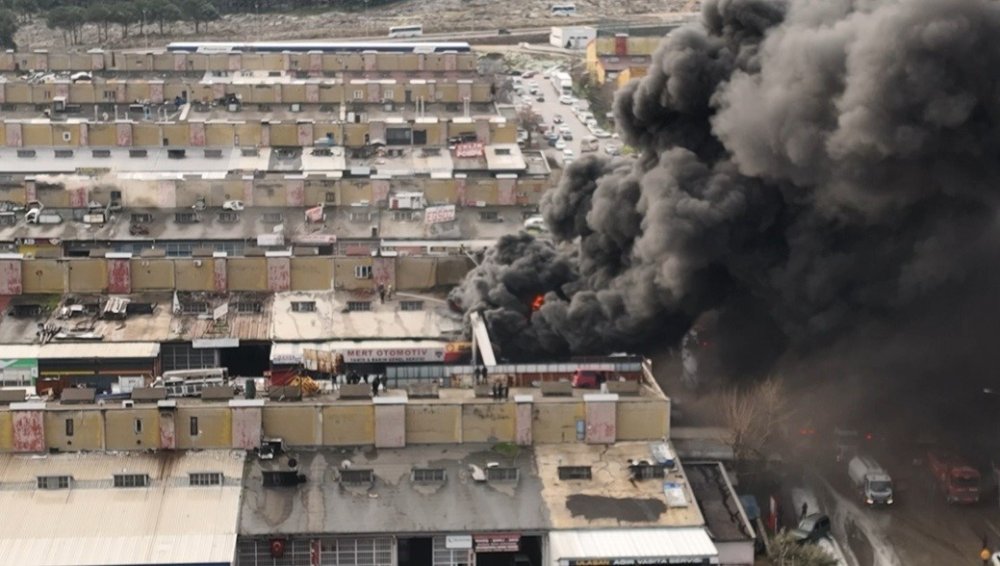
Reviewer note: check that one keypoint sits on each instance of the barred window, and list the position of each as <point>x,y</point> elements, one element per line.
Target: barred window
<point>646,471</point>
<point>303,306</point>
<point>574,472</point>
<point>205,478</point>
<point>53,482</point>
<point>501,474</point>
<point>356,477</point>
<point>428,475</point>
<point>359,306</point>
<point>131,480</point>
<point>411,305</point>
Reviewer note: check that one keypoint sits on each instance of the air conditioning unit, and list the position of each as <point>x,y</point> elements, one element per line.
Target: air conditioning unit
<point>128,404</point>
<point>296,107</point>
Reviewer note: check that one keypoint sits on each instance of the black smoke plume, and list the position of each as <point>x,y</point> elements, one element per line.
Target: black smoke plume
<point>809,166</point>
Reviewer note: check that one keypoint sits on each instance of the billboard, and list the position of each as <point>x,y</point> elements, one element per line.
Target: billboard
<point>439,214</point>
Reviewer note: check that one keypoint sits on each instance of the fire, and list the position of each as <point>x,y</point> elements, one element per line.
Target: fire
<point>537,303</point>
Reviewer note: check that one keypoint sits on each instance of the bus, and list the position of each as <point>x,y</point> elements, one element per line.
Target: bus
<point>406,31</point>
<point>564,10</point>
<point>190,382</point>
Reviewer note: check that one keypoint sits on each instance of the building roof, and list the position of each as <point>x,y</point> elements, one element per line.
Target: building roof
<point>154,160</point>
<point>611,499</point>
<point>725,519</point>
<point>692,542</point>
<point>94,523</point>
<point>331,319</point>
<point>67,350</point>
<point>394,502</point>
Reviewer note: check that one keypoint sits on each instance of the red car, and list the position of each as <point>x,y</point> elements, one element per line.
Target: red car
<point>587,379</point>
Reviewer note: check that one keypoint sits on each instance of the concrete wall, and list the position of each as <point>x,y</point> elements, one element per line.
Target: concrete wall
<point>488,422</point>
<point>297,425</point>
<point>557,422</point>
<point>88,430</point>
<point>642,419</point>
<point>390,425</point>
<point>6,431</point>
<point>433,424</point>
<point>120,430</point>
<point>348,425</point>
<point>214,427</point>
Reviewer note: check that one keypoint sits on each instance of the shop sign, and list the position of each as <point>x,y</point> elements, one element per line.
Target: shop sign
<point>460,542</point>
<point>439,214</point>
<point>392,355</point>
<point>21,372</point>
<point>498,542</point>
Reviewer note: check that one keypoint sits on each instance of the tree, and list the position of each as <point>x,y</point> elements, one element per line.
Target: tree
<point>124,14</point>
<point>99,14</point>
<point>755,416</point>
<point>199,12</point>
<point>164,12</point>
<point>8,28</point>
<point>68,19</point>
<point>529,120</point>
<point>786,551</point>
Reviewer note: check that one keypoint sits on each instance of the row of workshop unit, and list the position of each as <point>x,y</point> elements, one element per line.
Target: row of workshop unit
<point>120,273</point>
<point>301,91</point>
<point>391,420</point>
<point>228,133</point>
<point>412,506</point>
<point>310,63</point>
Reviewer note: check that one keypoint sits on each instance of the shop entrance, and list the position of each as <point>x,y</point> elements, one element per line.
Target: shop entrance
<point>247,359</point>
<point>415,551</point>
<point>508,550</point>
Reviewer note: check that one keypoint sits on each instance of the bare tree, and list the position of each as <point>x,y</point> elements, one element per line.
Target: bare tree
<point>755,415</point>
<point>786,551</point>
<point>529,120</point>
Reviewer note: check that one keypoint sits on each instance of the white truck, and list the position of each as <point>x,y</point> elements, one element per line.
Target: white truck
<point>874,484</point>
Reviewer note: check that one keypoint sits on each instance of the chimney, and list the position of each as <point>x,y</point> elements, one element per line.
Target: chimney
<point>621,44</point>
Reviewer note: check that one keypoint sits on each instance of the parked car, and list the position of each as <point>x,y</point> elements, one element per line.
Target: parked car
<point>503,31</point>
<point>529,74</point>
<point>560,144</point>
<point>599,133</point>
<point>233,205</point>
<point>612,148</point>
<point>557,119</point>
<point>587,379</point>
<point>568,136</point>
<point>566,99</point>
<point>540,98</point>
<point>564,128</point>
<point>568,153</point>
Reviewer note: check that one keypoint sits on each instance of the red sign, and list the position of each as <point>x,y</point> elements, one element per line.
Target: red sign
<point>498,542</point>
<point>469,149</point>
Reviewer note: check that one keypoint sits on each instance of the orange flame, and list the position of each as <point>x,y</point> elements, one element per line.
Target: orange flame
<point>537,303</point>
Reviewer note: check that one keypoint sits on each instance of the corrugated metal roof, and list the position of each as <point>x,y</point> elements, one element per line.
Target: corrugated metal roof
<point>68,350</point>
<point>688,542</point>
<point>93,523</point>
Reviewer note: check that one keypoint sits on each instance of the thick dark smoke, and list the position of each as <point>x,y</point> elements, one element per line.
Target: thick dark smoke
<point>807,166</point>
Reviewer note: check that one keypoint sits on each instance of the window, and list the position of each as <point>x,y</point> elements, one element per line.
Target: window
<point>25,153</point>
<point>330,197</point>
<point>229,217</point>
<point>141,218</point>
<point>411,305</point>
<point>502,151</point>
<point>428,475</point>
<point>358,95</point>
<point>356,477</point>
<point>249,152</point>
<point>69,427</point>
<point>361,216</point>
<point>194,307</point>
<point>64,153</point>
<point>303,306</point>
<point>213,153</point>
<point>101,153</point>
<point>359,306</point>
<point>574,472</point>
<point>646,471</point>
<point>8,219</point>
<point>205,478</point>
<point>137,153</point>
<point>176,153</point>
<point>501,474</point>
<point>402,215</point>
<point>194,426</point>
<point>488,215</point>
<point>248,307</point>
<point>53,482</point>
<point>185,217</point>
<point>131,480</point>
<point>282,479</point>
<point>109,95</point>
<point>137,426</point>
<point>271,218</point>
<point>387,94</point>
<point>362,272</point>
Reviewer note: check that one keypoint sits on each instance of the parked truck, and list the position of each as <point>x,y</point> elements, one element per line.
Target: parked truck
<point>956,479</point>
<point>873,482</point>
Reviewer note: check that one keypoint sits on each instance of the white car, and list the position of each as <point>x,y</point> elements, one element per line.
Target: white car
<point>566,99</point>
<point>233,205</point>
<point>568,153</point>
<point>591,123</point>
<point>563,129</point>
<point>599,133</point>
<point>612,148</point>
<point>560,144</point>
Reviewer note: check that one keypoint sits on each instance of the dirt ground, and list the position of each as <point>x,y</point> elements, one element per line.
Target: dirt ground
<point>434,15</point>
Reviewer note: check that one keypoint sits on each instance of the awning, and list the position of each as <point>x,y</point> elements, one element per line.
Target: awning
<point>84,350</point>
<point>682,545</point>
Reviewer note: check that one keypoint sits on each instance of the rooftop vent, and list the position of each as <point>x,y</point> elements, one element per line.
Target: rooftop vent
<point>575,473</point>
<point>428,475</point>
<point>356,477</point>
<point>282,479</point>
